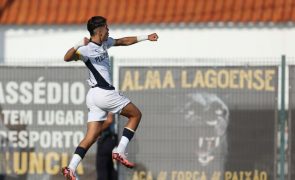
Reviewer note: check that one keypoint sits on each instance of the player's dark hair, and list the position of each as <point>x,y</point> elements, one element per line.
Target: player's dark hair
<point>95,22</point>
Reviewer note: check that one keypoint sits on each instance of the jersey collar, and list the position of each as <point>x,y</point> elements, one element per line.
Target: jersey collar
<point>95,43</point>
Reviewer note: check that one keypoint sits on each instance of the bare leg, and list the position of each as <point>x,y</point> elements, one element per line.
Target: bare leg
<point>133,114</point>
<point>93,132</point>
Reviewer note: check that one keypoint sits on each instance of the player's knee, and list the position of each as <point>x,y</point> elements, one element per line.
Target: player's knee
<point>138,115</point>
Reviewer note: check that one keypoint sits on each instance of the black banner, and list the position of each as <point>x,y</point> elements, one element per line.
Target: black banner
<point>214,123</point>
<point>42,120</point>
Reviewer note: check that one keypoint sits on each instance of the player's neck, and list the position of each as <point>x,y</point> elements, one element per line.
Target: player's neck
<point>96,40</point>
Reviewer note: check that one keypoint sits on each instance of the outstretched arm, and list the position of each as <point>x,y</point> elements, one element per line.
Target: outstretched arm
<point>126,41</point>
<point>71,54</point>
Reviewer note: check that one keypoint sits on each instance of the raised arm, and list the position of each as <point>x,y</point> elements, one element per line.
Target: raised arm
<point>126,41</point>
<point>71,54</point>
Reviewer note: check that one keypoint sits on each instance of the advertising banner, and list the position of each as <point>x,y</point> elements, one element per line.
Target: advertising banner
<point>43,118</point>
<point>202,123</point>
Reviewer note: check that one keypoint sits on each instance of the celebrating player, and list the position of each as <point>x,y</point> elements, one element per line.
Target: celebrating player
<point>102,97</point>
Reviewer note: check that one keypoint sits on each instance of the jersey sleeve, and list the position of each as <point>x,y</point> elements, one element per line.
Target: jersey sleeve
<point>110,42</point>
<point>81,53</point>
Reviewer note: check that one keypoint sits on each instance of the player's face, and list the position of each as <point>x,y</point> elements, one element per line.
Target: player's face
<point>105,32</point>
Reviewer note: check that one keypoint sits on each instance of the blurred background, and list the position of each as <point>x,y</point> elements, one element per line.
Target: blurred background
<point>217,89</point>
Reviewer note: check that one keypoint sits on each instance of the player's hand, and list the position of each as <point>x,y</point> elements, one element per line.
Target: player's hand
<point>153,37</point>
<point>86,41</point>
<point>81,43</point>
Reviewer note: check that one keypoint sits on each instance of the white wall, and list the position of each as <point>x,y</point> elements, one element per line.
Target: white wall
<point>25,44</point>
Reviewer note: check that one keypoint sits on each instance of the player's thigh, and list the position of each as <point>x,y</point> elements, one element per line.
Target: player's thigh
<point>130,110</point>
<point>116,102</point>
<point>96,113</point>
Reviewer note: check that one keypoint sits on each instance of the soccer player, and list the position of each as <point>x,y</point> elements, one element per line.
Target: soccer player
<point>102,97</point>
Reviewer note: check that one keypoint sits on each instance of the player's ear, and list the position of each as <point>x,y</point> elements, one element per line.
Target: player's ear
<point>99,32</point>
